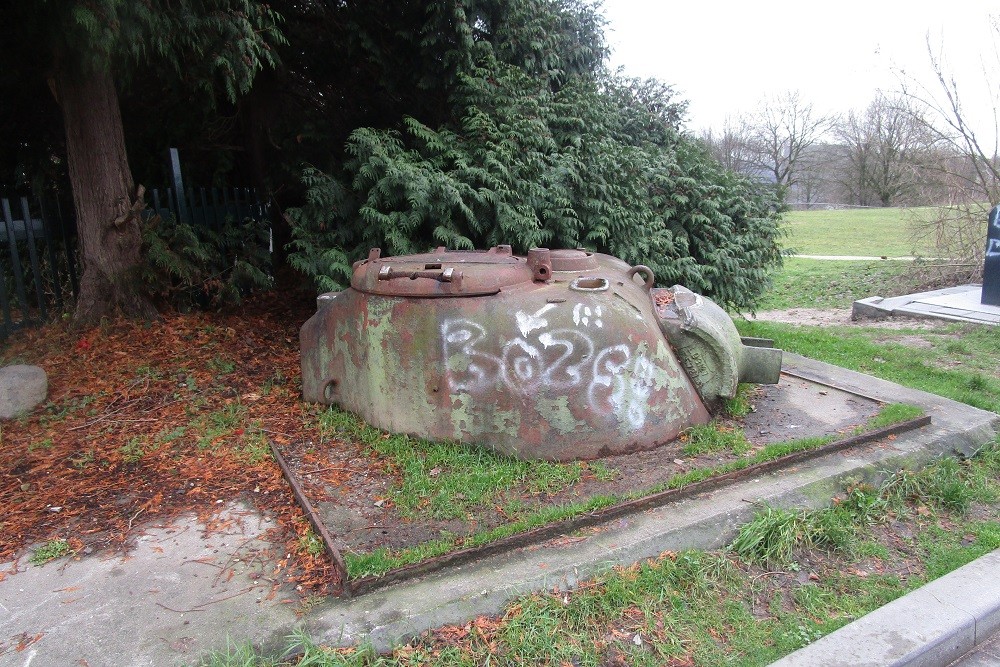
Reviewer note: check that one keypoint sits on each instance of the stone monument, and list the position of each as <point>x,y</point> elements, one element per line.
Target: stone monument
<point>991,264</point>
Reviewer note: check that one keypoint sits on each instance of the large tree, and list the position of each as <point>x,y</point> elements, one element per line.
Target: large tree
<point>86,50</point>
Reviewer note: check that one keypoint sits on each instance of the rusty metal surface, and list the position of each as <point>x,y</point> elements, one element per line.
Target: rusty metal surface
<point>315,520</point>
<point>442,273</point>
<point>535,360</point>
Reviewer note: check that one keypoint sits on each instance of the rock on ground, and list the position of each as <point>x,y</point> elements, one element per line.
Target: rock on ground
<point>22,388</point>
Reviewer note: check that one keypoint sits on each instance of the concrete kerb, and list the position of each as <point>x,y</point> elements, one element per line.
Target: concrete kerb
<point>708,521</point>
<point>930,627</point>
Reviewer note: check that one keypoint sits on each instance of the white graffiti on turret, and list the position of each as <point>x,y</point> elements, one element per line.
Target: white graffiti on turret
<point>582,315</point>
<point>615,379</point>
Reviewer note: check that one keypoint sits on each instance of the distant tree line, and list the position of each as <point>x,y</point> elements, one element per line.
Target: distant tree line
<point>918,146</point>
<point>900,150</point>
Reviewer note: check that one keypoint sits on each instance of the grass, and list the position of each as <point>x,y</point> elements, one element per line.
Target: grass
<point>873,232</point>
<point>709,438</point>
<point>49,551</point>
<point>970,376</point>
<point>714,437</point>
<point>817,283</point>
<point>444,480</point>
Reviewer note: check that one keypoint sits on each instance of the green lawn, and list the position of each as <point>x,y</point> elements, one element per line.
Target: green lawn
<point>820,283</point>
<point>872,232</point>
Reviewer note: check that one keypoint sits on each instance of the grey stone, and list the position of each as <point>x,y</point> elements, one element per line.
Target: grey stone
<point>957,304</point>
<point>21,389</point>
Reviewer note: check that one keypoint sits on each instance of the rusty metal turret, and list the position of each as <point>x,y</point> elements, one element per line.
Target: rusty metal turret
<point>563,354</point>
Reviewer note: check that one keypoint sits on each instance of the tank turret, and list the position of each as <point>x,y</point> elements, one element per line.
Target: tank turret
<point>559,355</point>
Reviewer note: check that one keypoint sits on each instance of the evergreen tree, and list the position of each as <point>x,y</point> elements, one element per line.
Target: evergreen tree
<point>531,142</point>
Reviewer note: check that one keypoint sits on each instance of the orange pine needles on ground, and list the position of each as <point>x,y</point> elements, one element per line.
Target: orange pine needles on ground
<point>146,421</point>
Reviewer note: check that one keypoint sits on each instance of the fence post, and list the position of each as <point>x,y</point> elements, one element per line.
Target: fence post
<point>175,173</point>
<point>47,233</point>
<point>29,234</point>
<point>15,257</point>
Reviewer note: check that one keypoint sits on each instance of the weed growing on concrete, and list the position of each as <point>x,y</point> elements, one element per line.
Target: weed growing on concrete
<point>311,544</point>
<point>240,655</point>
<point>49,551</point>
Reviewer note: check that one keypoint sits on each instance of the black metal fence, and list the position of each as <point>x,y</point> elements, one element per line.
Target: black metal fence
<point>38,265</point>
<point>208,206</point>
<point>39,262</point>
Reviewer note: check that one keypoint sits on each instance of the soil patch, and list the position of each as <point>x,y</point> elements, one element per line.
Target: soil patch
<point>356,499</point>
<point>817,317</point>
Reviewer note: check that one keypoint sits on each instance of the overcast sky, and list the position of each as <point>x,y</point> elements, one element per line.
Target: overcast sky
<point>723,56</point>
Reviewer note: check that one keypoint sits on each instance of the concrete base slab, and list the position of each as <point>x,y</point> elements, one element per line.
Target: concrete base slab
<point>959,304</point>
<point>151,609</point>
<point>709,521</point>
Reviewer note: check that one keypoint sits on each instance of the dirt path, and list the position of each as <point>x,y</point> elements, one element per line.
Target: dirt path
<point>818,317</point>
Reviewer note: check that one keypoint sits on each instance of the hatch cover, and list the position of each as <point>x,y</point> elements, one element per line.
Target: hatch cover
<point>441,273</point>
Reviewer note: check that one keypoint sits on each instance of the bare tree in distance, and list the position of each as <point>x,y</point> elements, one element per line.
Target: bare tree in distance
<point>731,146</point>
<point>969,166</point>
<point>783,128</point>
<point>885,150</point>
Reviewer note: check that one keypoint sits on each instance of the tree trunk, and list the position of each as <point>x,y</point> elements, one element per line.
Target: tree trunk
<point>107,218</point>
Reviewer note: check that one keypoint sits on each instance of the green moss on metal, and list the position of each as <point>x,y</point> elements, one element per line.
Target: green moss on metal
<point>470,420</point>
<point>556,413</point>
